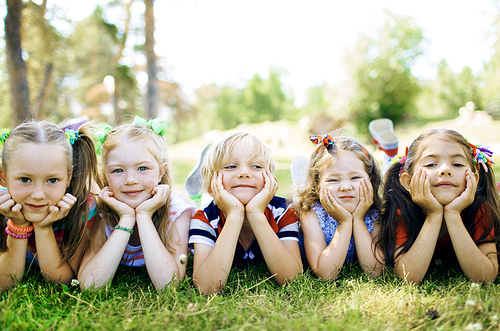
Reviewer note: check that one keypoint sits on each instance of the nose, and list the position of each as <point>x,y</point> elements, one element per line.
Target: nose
<point>38,192</point>
<point>345,186</point>
<point>131,179</point>
<point>244,172</point>
<point>445,170</point>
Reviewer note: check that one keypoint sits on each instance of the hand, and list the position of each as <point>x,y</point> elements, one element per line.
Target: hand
<point>122,209</point>
<point>420,190</point>
<point>260,201</point>
<point>57,212</point>
<point>159,198</point>
<point>467,197</point>
<point>332,207</point>
<point>226,202</point>
<point>11,209</point>
<point>365,199</point>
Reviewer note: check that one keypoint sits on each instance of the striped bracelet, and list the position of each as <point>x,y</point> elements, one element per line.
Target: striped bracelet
<point>18,236</point>
<point>129,230</point>
<point>19,229</point>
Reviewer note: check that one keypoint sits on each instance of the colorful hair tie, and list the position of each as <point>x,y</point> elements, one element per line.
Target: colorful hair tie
<point>18,236</point>
<point>401,158</point>
<point>100,136</point>
<point>19,229</point>
<point>326,140</point>
<point>72,135</point>
<point>158,126</point>
<point>4,134</point>
<point>481,156</point>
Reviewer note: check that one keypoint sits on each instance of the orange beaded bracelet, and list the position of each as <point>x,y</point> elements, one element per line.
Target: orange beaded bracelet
<point>18,229</point>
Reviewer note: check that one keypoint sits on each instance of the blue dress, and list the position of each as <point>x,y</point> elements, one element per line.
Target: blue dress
<point>329,226</point>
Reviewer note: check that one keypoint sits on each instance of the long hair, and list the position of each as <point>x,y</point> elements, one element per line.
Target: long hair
<point>399,208</point>
<point>157,146</point>
<point>82,164</point>
<point>322,158</point>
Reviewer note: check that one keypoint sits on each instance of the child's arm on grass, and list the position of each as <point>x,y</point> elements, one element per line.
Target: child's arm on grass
<point>413,265</point>
<point>162,266</point>
<point>363,239</point>
<point>211,265</point>
<point>13,262</point>
<point>282,257</point>
<point>479,263</point>
<point>100,261</point>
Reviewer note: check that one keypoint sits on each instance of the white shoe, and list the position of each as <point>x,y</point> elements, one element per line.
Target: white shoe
<point>194,182</point>
<point>298,170</point>
<point>383,132</point>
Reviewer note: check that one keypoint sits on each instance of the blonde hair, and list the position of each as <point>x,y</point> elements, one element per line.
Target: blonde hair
<point>323,157</point>
<point>158,147</point>
<point>221,150</point>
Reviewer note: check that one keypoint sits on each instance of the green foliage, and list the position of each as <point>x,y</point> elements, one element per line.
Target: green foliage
<point>380,69</point>
<point>491,75</point>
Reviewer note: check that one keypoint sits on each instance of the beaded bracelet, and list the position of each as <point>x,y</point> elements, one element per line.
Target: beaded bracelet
<point>19,229</point>
<point>18,236</point>
<point>129,230</point>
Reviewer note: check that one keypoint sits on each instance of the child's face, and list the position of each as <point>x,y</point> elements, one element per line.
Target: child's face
<point>242,176</point>
<point>343,178</point>
<point>37,178</point>
<point>132,172</point>
<point>444,163</point>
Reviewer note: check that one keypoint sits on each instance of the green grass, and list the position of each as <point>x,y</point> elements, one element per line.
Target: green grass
<point>252,301</point>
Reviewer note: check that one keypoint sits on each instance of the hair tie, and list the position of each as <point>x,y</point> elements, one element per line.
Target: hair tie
<point>100,136</point>
<point>72,135</point>
<point>158,126</point>
<point>4,134</point>
<point>481,155</point>
<point>401,158</point>
<point>326,140</point>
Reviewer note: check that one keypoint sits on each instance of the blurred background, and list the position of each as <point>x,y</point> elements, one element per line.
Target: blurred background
<point>281,69</point>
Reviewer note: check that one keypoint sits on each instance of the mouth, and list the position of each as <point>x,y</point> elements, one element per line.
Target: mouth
<point>132,193</point>
<point>445,184</point>
<point>347,197</point>
<point>36,207</point>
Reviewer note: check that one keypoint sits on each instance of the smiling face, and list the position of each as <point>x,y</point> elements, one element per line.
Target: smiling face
<point>445,163</point>
<point>242,174</point>
<point>343,178</point>
<point>37,178</point>
<point>132,172</point>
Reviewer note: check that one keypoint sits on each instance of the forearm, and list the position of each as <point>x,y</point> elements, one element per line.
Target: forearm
<point>413,265</point>
<point>330,261</point>
<point>211,272</point>
<point>50,258</point>
<point>161,265</point>
<point>365,249</point>
<point>279,260</point>
<point>98,268</point>
<point>13,262</point>
<point>474,263</point>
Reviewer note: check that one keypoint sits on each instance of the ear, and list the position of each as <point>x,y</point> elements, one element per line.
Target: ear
<point>2,178</point>
<point>70,175</point>
<point>405,180</point>
<point>476,174</point>
<point>163,169</point>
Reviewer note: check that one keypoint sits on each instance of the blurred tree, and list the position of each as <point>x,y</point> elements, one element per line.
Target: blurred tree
<point>316,98</point>
<point>152,70</point>
<point>20,103</point>
<point>380,70</point>
<point>491,75</point>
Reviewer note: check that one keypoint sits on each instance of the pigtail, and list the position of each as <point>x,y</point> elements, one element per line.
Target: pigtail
<point>397,201</point>
<point>84,176</point>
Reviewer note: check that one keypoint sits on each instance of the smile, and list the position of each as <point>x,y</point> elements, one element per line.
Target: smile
<point>132,193</point>
<point>36,207</point>
<point>445,184</point>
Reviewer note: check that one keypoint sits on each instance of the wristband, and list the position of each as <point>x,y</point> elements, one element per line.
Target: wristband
<point>19,229</point>
<point>129,230</point>
<point>18,236</point>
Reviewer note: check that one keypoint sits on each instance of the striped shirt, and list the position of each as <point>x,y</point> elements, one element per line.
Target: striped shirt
<point>133,255</point>
<point>207,225</point>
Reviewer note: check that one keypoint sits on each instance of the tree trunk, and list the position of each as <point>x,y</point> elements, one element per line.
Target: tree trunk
<point>20,102</point>
<point>43,95</point>
<point>152,92</point>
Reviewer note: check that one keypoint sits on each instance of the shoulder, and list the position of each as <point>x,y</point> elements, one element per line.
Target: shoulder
<point>179,205</point>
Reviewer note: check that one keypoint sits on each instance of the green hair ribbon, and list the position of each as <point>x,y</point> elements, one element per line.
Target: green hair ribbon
<point>72,135</point>
<point>158,126</point>
<point>4,134</point>
<point>100,136</point>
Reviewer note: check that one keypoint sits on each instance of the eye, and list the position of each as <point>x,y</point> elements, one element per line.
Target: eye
<point>230,166</point>
<point>429,165</point>
<point>117,171</point>
<point>332,180</point>
<point>257,166</point>
<point>53,180</point>
<point>24,180</point>
<point>355,177</point>
<point>458,165</point>
<point>143,168</point>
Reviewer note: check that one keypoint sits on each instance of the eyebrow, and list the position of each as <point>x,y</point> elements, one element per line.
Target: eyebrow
<point>437,156</point>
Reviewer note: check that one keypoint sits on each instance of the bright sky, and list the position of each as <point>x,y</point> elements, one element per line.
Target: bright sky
<point>228,41</point>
